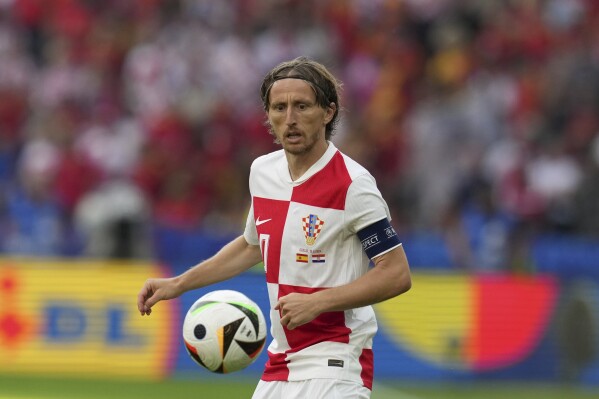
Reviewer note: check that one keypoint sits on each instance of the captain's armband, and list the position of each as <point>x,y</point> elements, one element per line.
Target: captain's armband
<point>378,238</point>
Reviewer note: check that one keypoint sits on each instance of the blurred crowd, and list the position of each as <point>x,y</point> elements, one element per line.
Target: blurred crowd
<point>479,119</point>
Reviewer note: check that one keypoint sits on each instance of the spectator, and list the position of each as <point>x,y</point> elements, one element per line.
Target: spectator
<point>33,218</point>
<point>453,92</point>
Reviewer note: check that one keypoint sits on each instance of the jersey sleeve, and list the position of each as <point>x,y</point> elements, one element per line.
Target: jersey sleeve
<point>364,204</point>
<point>369,217</point>
<point>250,233</point>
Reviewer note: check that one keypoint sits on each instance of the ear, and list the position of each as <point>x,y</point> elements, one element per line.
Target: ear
<point>329,113</point>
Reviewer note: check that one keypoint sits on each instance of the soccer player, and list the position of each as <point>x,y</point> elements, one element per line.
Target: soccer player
<point>317,221</point>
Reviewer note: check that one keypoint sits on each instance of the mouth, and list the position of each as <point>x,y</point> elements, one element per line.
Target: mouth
<point>293,136</point>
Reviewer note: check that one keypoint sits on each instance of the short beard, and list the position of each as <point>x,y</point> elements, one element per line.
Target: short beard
<point>275,140</point>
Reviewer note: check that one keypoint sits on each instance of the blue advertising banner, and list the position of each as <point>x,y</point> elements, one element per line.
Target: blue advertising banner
<point>80,317</point>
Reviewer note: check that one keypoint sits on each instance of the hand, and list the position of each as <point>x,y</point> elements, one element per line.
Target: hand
<point>155,290</point>
<point>297,309</point>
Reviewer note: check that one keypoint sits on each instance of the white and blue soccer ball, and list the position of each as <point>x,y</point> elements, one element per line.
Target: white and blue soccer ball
<point>224,331</point>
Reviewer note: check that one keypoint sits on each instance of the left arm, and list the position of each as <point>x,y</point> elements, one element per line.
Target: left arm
<point>389,277</point>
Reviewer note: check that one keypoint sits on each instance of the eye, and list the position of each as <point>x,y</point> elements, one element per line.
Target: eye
<point>278,107</point>
<point>302,107</point>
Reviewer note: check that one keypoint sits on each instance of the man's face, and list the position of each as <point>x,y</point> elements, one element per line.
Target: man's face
<point>296,119</point>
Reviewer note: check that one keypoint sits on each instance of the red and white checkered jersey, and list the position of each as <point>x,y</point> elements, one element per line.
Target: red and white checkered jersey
<point>306,230</point>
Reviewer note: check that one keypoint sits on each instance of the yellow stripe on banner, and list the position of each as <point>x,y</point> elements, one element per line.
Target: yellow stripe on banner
<point>80,317</point>
<point>434,319</point>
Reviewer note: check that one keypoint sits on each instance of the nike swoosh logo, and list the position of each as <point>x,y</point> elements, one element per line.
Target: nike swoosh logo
<point>259,222</point>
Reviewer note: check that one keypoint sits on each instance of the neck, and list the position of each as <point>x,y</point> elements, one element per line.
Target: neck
<point>300,163</point>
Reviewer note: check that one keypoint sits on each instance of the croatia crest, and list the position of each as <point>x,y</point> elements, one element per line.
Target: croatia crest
<point>312,226</point>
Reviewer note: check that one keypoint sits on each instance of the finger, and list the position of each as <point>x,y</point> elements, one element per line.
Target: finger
<point>284,320</point>
<point>151,301</point>
<point>147,298</point>
<point>290,325</point>
<point>141,299</point>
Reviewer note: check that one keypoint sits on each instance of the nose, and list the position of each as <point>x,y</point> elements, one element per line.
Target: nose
<point>290,117</point>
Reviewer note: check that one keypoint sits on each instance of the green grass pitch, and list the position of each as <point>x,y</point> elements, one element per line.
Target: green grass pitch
<point>230,387</point>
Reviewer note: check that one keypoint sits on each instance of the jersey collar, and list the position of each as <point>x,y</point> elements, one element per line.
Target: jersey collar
<point>283,167</point>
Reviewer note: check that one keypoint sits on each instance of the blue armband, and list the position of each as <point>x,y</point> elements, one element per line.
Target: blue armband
<point>377,238</point>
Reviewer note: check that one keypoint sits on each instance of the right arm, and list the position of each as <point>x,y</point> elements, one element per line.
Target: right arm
<point>233,259</point>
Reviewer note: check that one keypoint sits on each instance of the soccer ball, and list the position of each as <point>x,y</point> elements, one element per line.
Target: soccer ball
<point>224,331</point>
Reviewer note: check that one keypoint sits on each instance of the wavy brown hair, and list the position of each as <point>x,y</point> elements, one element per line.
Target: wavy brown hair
<point>325,85</point>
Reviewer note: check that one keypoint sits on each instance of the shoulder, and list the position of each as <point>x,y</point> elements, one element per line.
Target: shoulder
<point>354,169</point>
<point>364,203</point>
<point>267,160</point>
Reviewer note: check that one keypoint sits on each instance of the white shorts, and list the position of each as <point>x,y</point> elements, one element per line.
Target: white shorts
<point>319,388</point>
